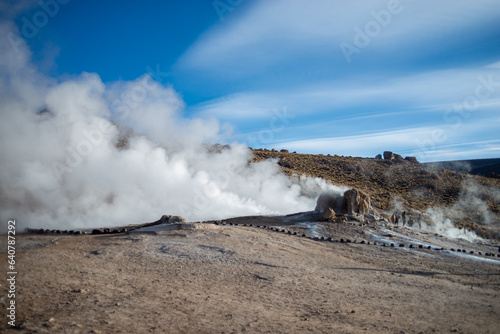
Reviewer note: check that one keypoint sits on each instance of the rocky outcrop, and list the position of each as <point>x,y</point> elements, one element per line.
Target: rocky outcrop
<point>331,200</point>
<point>357,202</point>
<point>165,219</point>
<point>332,205</point>
<point>283,162</point>
<point>388,155</point>
<point>413,160</point>
<point>397,158</point>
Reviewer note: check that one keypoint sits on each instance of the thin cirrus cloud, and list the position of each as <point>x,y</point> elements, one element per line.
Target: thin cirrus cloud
<point>436,91</point>
<point>422,139</point>
<point>11,8</point>
<point>424,66</point>
<point>270,33</point>
<point>440,99</point>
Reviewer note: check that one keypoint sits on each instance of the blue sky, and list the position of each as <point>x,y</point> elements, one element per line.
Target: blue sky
<point>340,77</point>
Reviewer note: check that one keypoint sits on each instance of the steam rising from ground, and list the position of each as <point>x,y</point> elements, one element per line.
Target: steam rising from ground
<point>61,168</point>
<point>472,202</point>
<point>442,225</point>
<point>473,199</point>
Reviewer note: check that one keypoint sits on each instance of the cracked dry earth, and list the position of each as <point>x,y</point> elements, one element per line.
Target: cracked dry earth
<point>207,278</point>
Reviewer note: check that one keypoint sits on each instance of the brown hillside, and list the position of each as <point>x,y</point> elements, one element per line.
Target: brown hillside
<point>417,186</point>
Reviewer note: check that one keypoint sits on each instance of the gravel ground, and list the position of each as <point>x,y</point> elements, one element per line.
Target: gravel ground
<point>222,278</point>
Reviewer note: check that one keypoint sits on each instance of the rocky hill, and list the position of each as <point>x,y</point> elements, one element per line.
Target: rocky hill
<point>470,201</point>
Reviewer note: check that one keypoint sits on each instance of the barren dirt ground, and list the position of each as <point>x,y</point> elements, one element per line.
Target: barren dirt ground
<point>207,278</point>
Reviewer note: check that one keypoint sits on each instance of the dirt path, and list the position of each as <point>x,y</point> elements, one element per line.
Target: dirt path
<point>234,279</point>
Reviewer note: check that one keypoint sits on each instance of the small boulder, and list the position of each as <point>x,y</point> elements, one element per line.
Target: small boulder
<point>378,156</point>
<point>172,219</point>
<point>371,216</point>
<point>284,163</point>
<point>327,214</point>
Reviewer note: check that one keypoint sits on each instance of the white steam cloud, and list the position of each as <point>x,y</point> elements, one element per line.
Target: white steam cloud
<point>473,202</point>
<point>443,225</point>
<point>61,168</point>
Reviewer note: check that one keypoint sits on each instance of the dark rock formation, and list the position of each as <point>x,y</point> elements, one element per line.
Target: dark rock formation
<point>334,206</point>
<point>172,219</point>
<point>388,155</point>
<point>397,157</point>
<point>284,163</point>
<point>357,202</point>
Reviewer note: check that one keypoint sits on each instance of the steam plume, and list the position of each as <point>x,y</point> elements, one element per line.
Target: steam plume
<point>61,167</point>
<point>472,204</point>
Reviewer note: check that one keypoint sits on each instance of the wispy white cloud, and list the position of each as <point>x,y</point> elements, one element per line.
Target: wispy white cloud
<point>383,100</point>
<point>405,142</point>
<point>9,9</point>
<point>432,91</point>
<point>365,145</point>
<point>273,32</point>
<point>464,150</point>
